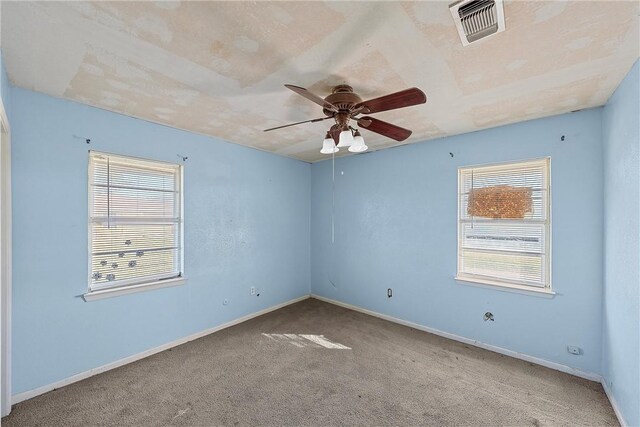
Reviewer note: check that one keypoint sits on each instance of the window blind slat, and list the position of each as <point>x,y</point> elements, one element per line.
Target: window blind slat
<point>129,187</point>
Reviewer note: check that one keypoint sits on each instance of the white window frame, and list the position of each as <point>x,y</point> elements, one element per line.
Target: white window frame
<point>500,283</point>
<point>96,292</point>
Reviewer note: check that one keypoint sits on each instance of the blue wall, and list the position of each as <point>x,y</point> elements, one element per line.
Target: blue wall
<point>396,227</point>
<point>246,224</point>
<point>621,322</point>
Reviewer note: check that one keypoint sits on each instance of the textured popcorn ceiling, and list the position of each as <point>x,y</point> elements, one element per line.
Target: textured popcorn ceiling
<point>219,68</point>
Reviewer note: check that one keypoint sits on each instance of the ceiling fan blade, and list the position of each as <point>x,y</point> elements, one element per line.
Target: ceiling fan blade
<point>335,133</point>
<point>384,128</point>
<point>312,97</point>
<point>298,123</point>
<point>404,98</point>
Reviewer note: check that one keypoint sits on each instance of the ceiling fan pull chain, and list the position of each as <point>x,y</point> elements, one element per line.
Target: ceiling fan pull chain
<point>333,198</point>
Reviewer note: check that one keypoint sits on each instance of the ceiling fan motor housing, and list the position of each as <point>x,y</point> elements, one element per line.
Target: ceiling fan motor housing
<point>343,97</point>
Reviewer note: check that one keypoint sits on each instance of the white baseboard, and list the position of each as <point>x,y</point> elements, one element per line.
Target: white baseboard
<point>19,397</point>
<point>553,365</point>
<point>614,403</point>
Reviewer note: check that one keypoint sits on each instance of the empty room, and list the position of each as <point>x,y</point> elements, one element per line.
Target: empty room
<point>369,213</point>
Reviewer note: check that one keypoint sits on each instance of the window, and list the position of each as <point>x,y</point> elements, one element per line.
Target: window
<point>504,225</point>
<point>135,222</point>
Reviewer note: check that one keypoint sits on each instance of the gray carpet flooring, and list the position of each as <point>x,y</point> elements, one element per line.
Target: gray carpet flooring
<point>391,375</point>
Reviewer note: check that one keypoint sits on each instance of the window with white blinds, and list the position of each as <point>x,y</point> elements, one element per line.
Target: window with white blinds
<point>504,224</point>
<point>135,221</point>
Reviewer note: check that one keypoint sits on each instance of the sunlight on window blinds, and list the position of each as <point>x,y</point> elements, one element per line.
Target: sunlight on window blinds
<point>135,221</point>
<point>504,223</point>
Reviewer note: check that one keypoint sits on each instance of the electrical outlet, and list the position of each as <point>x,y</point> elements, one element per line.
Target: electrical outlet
<point>574,349</point>
<point>252,290</point>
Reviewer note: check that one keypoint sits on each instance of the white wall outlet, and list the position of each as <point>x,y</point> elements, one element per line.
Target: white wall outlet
<point>574,349</point>
<point>252,290</point>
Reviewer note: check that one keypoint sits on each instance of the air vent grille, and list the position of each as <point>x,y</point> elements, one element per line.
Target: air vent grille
<point>477,19</point>
<point>478,16</point>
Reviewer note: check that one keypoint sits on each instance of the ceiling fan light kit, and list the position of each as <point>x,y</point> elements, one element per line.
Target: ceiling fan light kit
<point>343,105</point>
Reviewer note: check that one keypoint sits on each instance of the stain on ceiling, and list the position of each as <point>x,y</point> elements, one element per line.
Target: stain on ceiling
<point>218,68</point>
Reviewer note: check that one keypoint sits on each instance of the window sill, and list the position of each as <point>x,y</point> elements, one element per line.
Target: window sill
<point>123,290</point>
<point>507,287</point>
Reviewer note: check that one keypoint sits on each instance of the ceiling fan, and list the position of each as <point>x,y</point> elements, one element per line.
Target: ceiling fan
<point>344,105</point>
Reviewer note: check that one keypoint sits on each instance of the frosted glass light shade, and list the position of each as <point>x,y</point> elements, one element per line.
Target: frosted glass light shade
<point>346,138</point>
<point>358,145</point>
<point>328,146</point>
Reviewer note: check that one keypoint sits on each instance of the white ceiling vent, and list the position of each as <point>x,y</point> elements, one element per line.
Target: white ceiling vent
<point>477,19</point>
